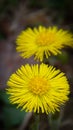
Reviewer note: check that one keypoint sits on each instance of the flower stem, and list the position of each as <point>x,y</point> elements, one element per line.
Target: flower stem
<point>43,122</point>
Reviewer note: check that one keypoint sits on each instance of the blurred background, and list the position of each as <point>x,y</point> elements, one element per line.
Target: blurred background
<point>16,15</point>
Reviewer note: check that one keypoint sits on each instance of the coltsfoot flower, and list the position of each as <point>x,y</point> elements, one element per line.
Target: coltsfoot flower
<point>38,88</point>
<point>43,41</point>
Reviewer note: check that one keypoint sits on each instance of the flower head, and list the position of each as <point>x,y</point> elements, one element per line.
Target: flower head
<point>42,41</point>
<point>38,88</point>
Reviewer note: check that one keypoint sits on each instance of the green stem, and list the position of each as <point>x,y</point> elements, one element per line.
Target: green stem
<point>43,122</point>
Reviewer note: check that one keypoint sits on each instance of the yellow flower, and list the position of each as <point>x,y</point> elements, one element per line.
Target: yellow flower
<point>42,41</point>
<point>38,88</point>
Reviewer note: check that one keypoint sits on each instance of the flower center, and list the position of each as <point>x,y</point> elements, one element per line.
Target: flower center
<point>38,85</point>
<point>45,38</point>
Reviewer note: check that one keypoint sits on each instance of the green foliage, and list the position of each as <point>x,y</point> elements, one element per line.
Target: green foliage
<point>11,116</point>
<point>60,58</point>
<point>64,57</point>
<point>2,36</point>
<point>58,4</point>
